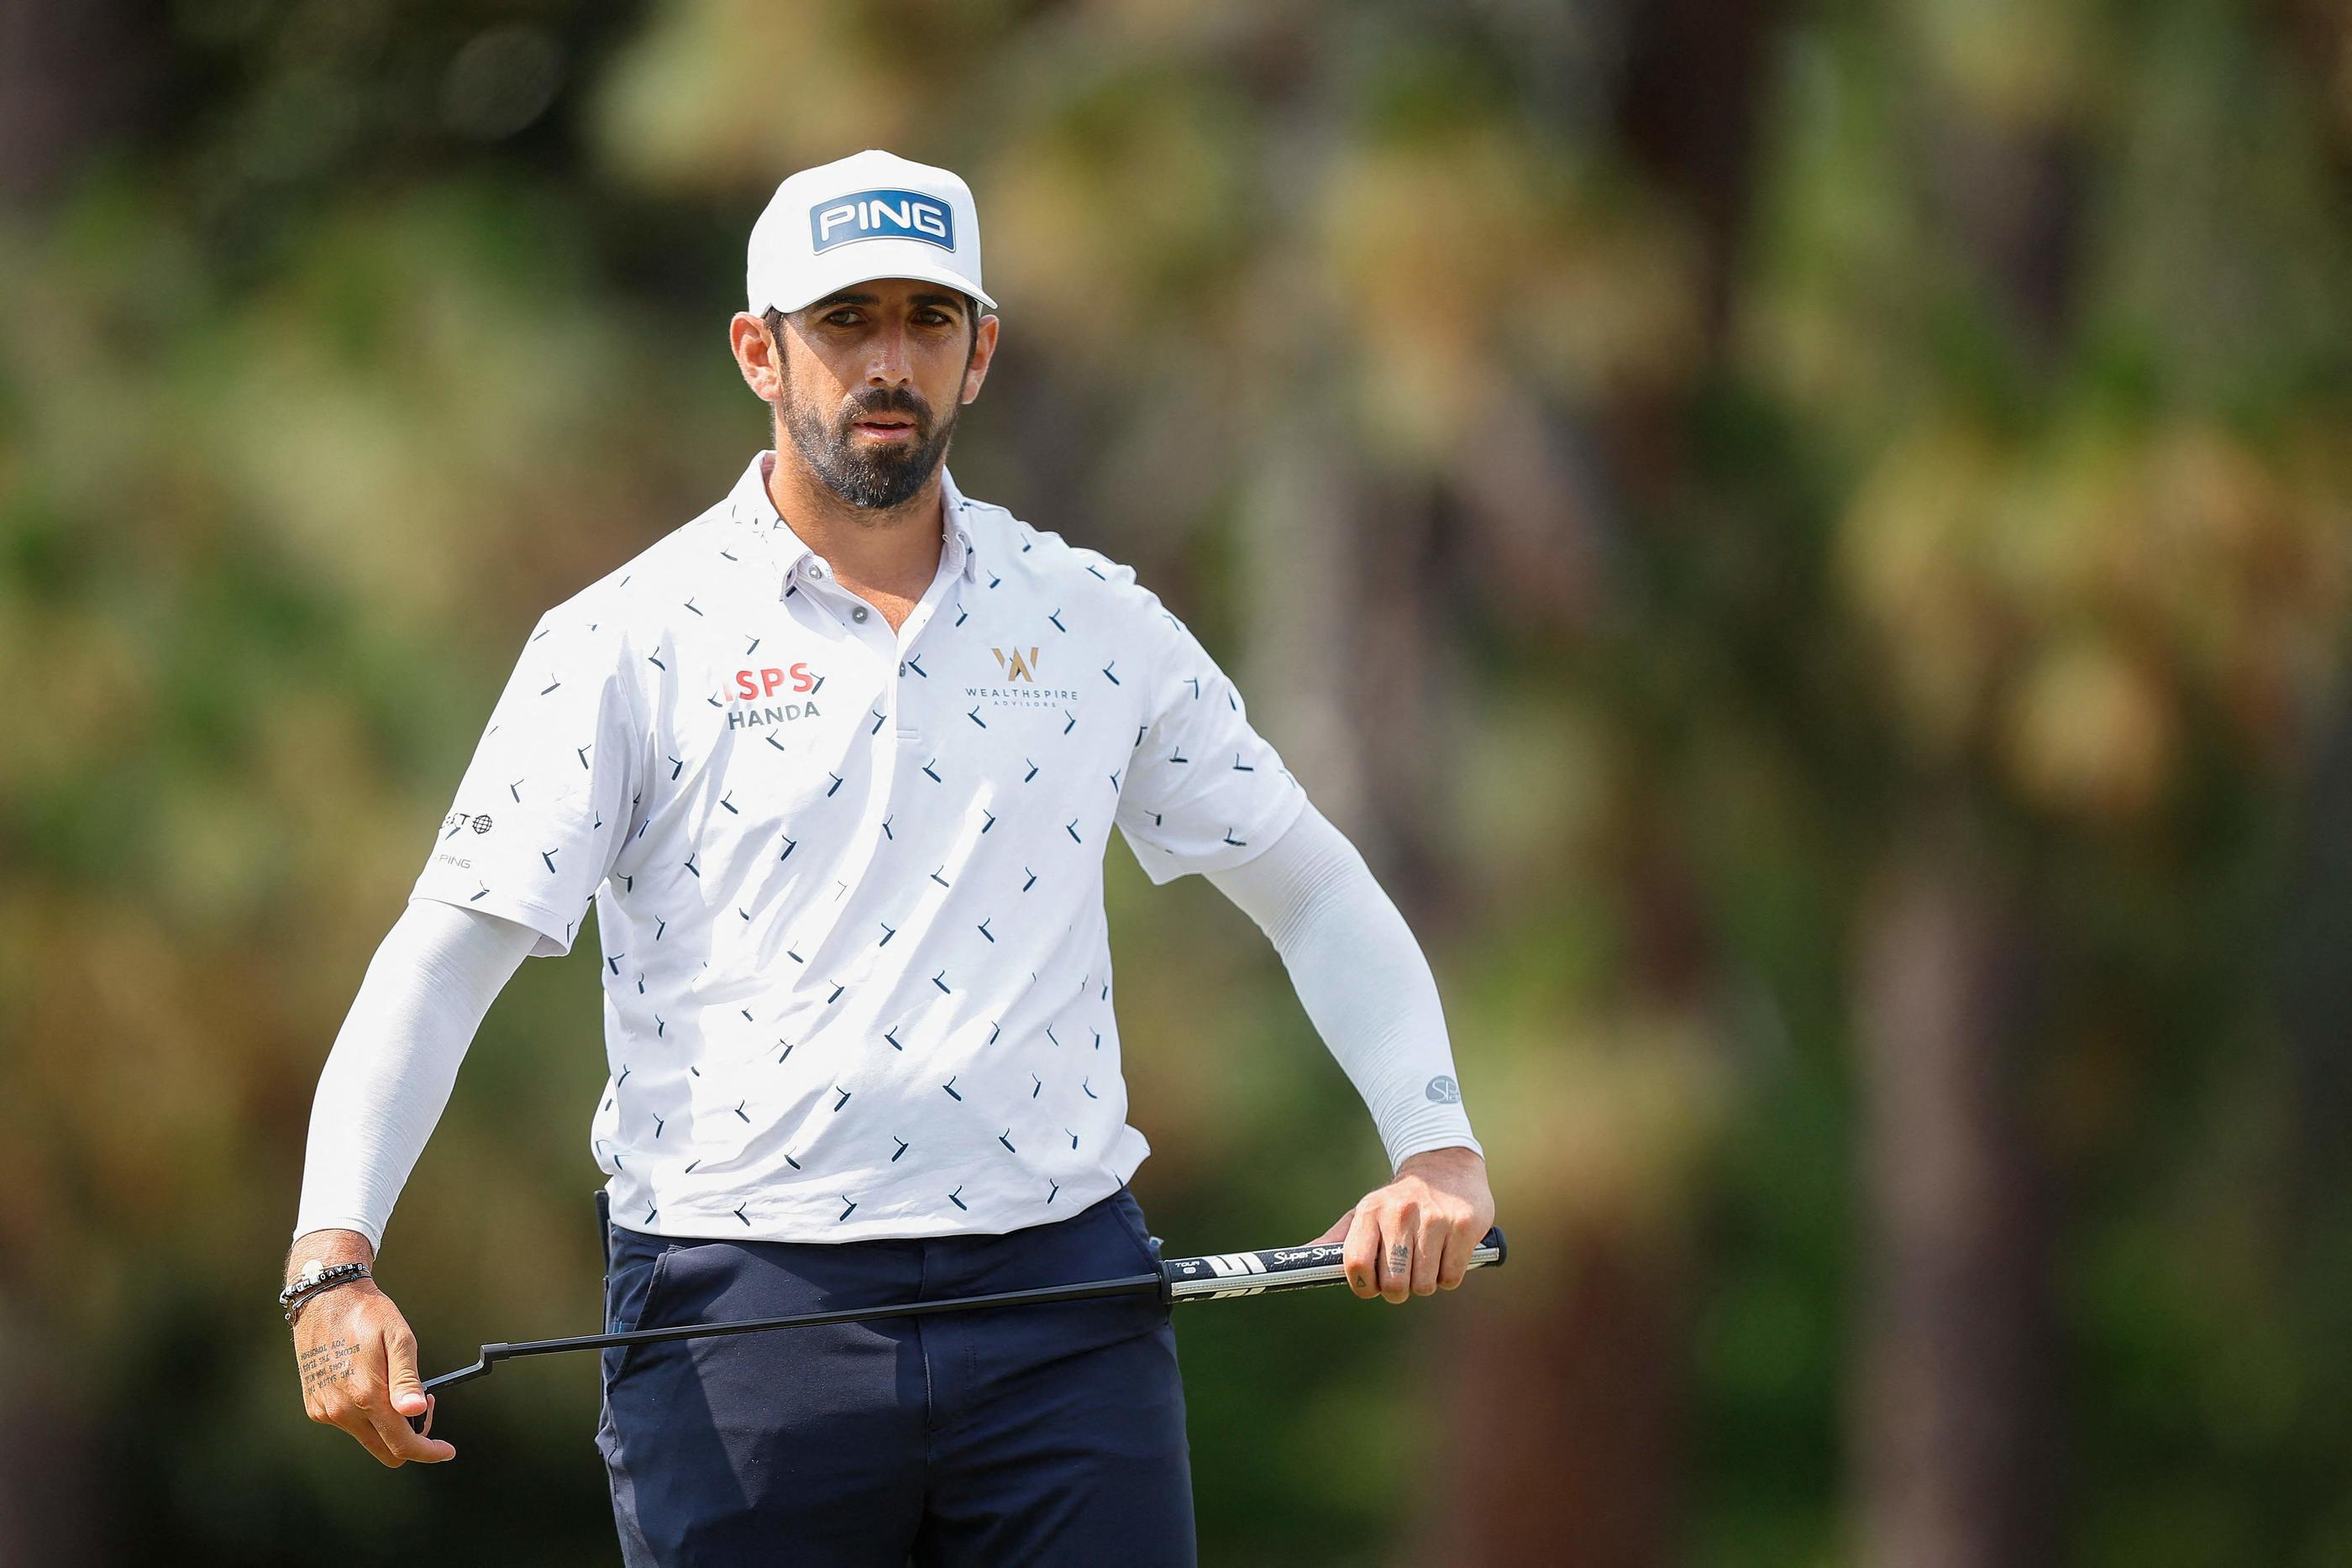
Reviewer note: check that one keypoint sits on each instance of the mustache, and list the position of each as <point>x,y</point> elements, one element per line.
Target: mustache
<point>889,400</point>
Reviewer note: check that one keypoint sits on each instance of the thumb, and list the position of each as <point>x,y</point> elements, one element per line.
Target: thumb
<point>1339,1231</point>
<point>408,1395</point>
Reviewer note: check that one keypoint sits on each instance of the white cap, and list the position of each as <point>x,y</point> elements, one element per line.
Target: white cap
<point>872,214</point>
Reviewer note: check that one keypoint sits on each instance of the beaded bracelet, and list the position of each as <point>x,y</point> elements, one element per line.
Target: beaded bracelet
<point>315,1278</point>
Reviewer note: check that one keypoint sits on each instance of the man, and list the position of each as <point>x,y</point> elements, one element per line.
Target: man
<point>836,763</point>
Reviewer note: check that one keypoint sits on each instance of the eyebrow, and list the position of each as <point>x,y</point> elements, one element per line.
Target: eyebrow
<point>949,302</point>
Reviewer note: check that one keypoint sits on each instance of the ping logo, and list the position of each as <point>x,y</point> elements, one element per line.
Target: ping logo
<point>1016,667</point>
<point>881,214</point>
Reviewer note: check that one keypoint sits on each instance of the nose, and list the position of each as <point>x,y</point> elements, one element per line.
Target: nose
<point>887,365</point>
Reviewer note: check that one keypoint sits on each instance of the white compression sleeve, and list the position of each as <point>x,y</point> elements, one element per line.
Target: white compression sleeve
<point>388,1077</point>
<point>1362,977</point>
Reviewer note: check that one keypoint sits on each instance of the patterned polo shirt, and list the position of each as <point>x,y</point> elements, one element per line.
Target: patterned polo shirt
<point>847,881</point>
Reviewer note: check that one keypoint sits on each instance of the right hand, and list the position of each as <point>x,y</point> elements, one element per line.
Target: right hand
<point>357,1362</point>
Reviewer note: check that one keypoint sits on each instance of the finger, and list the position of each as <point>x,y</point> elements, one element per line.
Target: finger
<point>405,1441</point>
<point>1339,1228</point>
<point>353,1419</point>
<point>1363,1258</point>
<point>1456,1268</point>
<point>1429,1252</point>
<point>1399,1232</point>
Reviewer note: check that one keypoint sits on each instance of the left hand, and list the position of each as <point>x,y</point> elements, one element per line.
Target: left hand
<point>1415,1235</point>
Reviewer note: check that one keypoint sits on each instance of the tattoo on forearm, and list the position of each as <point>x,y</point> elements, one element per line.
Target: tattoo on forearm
<point>1400,1257</point>
<point>333,1362</point>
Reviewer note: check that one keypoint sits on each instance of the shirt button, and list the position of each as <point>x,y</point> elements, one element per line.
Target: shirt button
<point>817,571</point>
<point>859,613</point>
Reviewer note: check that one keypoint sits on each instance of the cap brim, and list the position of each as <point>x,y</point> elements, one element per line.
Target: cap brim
<point>897,263</point>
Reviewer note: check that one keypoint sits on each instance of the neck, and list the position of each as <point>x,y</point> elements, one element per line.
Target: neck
<point>896,549</point>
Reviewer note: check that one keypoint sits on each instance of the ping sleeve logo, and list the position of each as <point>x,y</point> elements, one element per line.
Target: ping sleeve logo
<point>881,214</point>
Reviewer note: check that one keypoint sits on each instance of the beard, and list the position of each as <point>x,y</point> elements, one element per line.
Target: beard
<point>873,477</point>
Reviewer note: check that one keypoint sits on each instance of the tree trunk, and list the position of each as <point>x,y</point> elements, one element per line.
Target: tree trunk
<point>1948,1437</point>
<point>70,77</point>
<point>1566,1414</point>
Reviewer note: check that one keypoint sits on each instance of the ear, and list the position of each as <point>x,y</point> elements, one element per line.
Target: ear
<point>759,356</point>
<point>983,348</point>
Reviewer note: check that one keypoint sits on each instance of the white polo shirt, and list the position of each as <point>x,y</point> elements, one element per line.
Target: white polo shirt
<point>848,883</point>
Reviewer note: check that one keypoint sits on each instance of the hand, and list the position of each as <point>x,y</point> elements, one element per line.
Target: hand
<point>357,1362</point>
<point>1415,1235</point>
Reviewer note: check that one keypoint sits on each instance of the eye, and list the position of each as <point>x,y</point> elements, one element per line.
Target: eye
<point>845,316</point>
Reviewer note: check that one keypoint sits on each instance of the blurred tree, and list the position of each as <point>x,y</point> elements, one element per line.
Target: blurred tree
<point>1808,543</point>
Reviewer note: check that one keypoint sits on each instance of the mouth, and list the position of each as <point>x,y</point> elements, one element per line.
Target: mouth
<point>886,429</point>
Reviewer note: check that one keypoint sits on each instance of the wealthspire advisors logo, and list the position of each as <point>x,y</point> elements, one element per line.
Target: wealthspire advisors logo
<point>1019,668</point>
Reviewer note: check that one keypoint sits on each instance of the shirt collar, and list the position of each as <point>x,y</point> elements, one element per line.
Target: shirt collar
<point>749,506</point>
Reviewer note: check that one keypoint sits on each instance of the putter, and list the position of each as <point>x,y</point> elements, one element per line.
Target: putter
<point>1215,1278</point>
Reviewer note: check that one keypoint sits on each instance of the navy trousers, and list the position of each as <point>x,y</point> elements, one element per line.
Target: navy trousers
<point>1047,1435</point>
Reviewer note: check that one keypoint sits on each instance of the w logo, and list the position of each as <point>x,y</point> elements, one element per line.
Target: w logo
<point>1016,667</point>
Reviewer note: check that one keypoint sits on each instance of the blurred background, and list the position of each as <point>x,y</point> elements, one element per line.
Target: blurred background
<point>1807,542</point>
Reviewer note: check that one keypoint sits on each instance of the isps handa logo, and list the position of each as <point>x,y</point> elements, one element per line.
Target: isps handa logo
<point>755,700</point>
<point>1020,687</point>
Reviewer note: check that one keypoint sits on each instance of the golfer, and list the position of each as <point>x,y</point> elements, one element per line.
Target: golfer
<point>836,763</point>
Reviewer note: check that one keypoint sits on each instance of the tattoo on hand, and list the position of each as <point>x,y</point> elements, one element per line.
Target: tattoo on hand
<point>333,1362</point>
<point>1400,1257</point>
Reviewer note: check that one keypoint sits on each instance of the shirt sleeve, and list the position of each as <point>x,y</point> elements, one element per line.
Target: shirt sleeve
<point>1204,791</point>
<point>389,1076</point>
<point>1363,979</point>
<point>545,804</point>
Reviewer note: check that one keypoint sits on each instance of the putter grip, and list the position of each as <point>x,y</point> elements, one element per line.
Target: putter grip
<point>1286,1268</point>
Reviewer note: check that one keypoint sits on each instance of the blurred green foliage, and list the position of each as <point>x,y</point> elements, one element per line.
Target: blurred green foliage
<point>1751,515</point>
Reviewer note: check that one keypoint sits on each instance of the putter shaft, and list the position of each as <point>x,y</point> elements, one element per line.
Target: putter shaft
<point>1213,1278</point>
